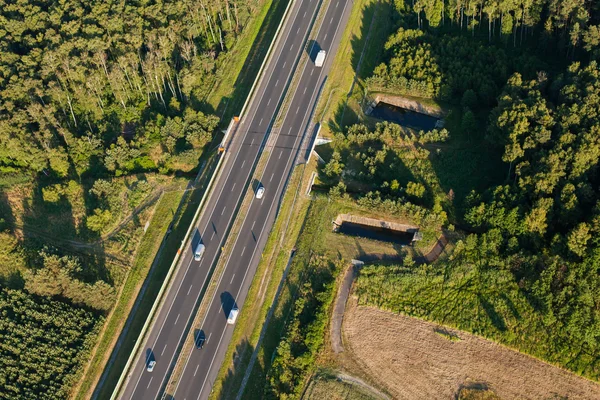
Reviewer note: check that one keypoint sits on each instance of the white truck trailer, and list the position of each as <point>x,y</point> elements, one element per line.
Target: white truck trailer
<point>320,58</point>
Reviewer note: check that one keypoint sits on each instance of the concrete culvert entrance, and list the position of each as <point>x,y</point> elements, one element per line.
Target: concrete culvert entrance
<point>376,233</point>
<point>376,229</point>
<point>404,117</point>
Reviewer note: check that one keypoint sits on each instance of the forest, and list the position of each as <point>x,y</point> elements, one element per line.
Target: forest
<point>103,105</point>
<point>42,343</point>
<point>522,79</point>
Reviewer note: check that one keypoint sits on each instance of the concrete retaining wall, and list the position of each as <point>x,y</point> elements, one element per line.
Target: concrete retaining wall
<point>373,222</point>
<point>408,104</point>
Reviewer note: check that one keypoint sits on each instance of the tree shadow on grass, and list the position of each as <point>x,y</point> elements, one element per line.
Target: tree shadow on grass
<point>235,374</point>
<point>145,298</point>
<point>231,105</point>
<point>495,318</point>
<point>53,225</point>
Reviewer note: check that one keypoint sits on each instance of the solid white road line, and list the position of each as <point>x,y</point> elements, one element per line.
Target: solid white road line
<point>217,201</point>
<point>163,324</point>
<point>211,363</point>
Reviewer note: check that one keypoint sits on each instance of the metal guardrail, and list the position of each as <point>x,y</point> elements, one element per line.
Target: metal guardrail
<point>232,125</point>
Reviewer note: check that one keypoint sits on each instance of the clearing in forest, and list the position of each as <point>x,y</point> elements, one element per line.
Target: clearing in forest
<point>415,359</point>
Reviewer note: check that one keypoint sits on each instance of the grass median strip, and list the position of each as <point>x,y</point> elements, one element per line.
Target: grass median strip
<point>262,290</point>
<point>218,271</point>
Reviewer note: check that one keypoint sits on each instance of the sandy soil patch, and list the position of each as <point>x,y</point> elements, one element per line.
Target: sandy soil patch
<point>407,357</point>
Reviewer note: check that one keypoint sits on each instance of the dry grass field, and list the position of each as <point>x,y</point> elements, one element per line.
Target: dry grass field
<point>334,388</point>
<point>414,359</point>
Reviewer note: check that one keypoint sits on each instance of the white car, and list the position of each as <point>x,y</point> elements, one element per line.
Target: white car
<point>260,192</point>
<point>199,252</point>
<point>150,366</point>
<point>233,315</point>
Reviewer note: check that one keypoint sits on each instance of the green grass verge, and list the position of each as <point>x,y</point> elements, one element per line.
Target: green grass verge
<point>345,65</point>
<point>262,290</point>
<point>241,65</point>
<point>164,215</point>
<point>149,245</point>
<point>310,240</point>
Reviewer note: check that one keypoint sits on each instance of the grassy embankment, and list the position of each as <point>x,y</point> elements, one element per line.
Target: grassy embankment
<point>237,72</point>
<point>275,259</point>
<point>264,286</point>
<point>165,213</point>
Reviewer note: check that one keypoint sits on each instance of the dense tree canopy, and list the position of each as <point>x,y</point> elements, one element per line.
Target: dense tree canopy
<point>75,76</point>
<point>42,345</point>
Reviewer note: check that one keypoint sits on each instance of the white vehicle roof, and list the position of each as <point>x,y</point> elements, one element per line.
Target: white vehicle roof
<point>233,315</point>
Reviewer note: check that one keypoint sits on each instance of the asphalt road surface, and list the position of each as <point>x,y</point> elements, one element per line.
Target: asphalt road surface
<point>168,329</point>
<point>203,365</point>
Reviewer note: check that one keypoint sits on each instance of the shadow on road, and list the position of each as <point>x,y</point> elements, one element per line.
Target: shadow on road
<point>312,49</point>
<point>196,239</point>
<point>149,356</point>
<point>199,338</point>
<point>227,303</point>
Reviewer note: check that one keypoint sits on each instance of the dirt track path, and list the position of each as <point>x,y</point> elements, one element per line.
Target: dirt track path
<point>339,308</point>
<point>407,357</point>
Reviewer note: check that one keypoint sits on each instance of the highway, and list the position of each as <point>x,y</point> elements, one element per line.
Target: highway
<point>202,365</point>
<point>170,325</point>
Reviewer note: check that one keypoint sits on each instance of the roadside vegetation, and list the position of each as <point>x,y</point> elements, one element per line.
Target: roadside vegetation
<point>511,178</point>
<point>107,112</point>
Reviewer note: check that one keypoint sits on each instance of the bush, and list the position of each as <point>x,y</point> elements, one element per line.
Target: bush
<point>99,221</point>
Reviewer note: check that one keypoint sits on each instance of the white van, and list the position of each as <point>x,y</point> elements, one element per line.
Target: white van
<point>199,252</point>
<point>233,315</point>
<point>320,59</point>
